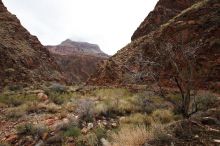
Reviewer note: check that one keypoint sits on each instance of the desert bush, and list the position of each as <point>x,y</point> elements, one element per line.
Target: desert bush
<point>4,144</point>
<point>136,119</point>
<point>163,115</point>
<point>205,101</point>
<point>14,113</point>
<point>70,106</point>
<point>34,107</point>
<point>101,108</point>
<point>67,126</point>
<point>56,87</point>
<point>159,133</point>
<point>124,106</point>
<point>26,129</point>
<point>72,131</point>
<point>129,136</point>
<point>56,98</point>
<point>85,110</point>
<point>112,93</point>
<point>15,87</point>
<point>50,108</point>
<point>89,139</point>
<point>147,102</point>
<point>100,132</point>
<point>11,100</point>
<point>33,130</point>
<point>16,99</point>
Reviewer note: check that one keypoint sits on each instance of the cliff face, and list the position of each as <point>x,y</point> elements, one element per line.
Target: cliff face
<point>22,57</point>
<point>162,13</point>
<point>77,60</point>
<point>191,39</point>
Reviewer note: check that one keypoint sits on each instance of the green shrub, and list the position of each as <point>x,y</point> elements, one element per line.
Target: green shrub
<point>11,100</point>
<point>72,132</point>
<point>26,129</point>
<point>100,133</point>
<point>56,98</point>
<point>32,130</point>
<point>89,139</point>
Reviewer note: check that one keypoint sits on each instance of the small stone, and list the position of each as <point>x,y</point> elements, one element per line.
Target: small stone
<point>210,121</point>
<point>105,123</point>
<point>42,96</point>
<point>90,126</point>
<point>66,121</point>
<point>114,125</point>
<point>217,140</point>
<point>11,138</point>
<point>121,118</point>
<point>196,136</point>
<point>105,142</point>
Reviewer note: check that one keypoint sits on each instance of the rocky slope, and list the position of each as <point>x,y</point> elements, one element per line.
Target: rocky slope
<point>78,60</point>
<point>188,41</point>
<point>162,13</point>
<point>22,57</point>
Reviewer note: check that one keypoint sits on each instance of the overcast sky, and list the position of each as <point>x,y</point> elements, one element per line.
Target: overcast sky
<point>108,23</point>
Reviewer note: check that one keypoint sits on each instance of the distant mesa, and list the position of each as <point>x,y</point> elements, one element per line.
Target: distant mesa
<point>77,60</point>
<point>69,47</point>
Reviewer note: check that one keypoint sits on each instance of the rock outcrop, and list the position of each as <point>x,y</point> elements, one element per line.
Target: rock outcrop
<point>162,13</point>
<point>22,57</point>
<point>77,60</point>
<point>188,41</point>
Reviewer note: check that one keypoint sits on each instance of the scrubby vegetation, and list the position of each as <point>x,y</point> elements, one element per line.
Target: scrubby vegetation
<point>90,116</point>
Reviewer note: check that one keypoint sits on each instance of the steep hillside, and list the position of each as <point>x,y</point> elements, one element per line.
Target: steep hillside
<point>22,57</point>
<point>188,43</point>
<point>162,13</point>
<point>78,60</point>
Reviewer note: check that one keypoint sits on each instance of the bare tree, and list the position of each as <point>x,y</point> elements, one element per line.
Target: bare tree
<point>180,67</point>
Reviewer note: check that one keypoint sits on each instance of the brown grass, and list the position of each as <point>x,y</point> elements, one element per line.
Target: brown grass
<point>130,136</point>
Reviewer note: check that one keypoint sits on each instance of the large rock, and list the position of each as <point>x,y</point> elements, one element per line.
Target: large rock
<point>22,57</point>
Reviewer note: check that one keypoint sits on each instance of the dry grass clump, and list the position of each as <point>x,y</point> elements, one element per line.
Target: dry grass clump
<point>130,136</point>
<point>114,93</point>
<point>163,115</point>
<point>37,131</point>
<point>36,107</point>
<point>14,113</point>
<point>136,119</point>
